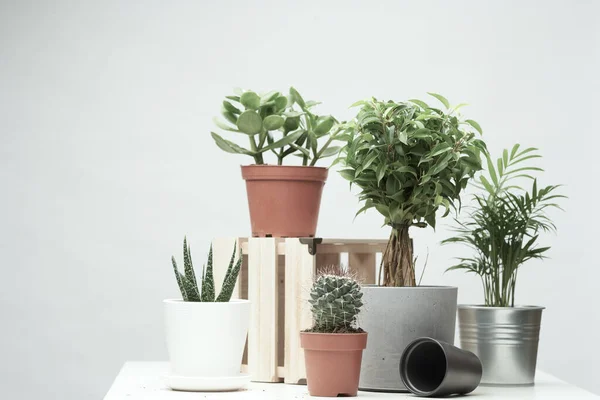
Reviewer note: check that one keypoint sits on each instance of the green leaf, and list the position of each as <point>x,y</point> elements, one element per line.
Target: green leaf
<point>514,150</point>
<point>492,171</point>
<point>420,103</point>
<point>250,100</point>
<point>475,125</point>
<point>347,174</point>
<point>430,219</point>
<point>296,97</point>
<point>381,169</point>
<point>267,97</point>
<point>406,169</point>
<point>280,102</point>
<point>358,103</point>
<point>208,282</point>
<point>284,141</point>
<point>273,122</point>
<point>330,151</point>
<point>422,133</point>
<point>230,147</point>
<point>439,149</point>
<point>229,116</point>
<point>249,122</point>
<point>230,107</point>
<point>223,125</point>
<point>324,125</point>
<point>179,281</point>
<point>364,208</point>
<point>441,98</point>
<point>301,149</point>
<point>487,185</point>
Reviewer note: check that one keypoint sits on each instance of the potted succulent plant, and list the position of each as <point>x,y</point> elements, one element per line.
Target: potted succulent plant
<point>283,200</point>
<point>503,230</point>
<point>333,346</point>
<point>205,331</point>
<point>409,159</point>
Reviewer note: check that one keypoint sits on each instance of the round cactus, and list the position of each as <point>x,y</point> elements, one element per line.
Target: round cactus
<point>335,302</point>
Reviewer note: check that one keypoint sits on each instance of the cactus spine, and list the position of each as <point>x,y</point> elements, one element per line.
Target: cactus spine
<point>335,301</point>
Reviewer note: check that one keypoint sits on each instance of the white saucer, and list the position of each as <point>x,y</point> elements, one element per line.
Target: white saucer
<point>209,384</point>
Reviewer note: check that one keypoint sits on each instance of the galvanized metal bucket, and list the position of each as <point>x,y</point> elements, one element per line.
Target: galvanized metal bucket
<point>504,338</point>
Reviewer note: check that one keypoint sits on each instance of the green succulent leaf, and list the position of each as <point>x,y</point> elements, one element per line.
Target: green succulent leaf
<point>250,100</point>
<point>284,141</point>
<point>324,125</point>
<point>249,122</point>
<point>223,125</point>
<point>230,147</point>
<point>273,122</point>
<point>231,108</point>
<point>297,98</point>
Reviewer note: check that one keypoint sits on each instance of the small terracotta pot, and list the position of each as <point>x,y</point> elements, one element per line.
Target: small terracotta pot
<point>284,201</point>
<point>333,362</point>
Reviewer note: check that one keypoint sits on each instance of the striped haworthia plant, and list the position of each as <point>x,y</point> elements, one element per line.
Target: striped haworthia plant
<point>188,284</point>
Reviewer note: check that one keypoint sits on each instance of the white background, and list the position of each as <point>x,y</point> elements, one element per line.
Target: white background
<point>106,158</point>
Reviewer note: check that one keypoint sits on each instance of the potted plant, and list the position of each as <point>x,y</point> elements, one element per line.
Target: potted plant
<point>503,231</point>
<point>333,346</point>
<point>205,331</point>
<point>283,200</point>
<point>409,159</point>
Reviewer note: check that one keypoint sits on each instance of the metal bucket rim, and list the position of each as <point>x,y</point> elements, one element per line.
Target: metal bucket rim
<point>515,308</point>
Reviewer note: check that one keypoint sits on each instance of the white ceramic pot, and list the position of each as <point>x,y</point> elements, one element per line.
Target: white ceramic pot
<point>206,340</point>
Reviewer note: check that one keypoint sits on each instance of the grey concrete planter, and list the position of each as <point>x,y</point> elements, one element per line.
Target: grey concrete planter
<point>394,317</point>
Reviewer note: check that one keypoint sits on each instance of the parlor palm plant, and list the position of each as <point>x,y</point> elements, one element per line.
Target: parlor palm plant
<point>510,213</point>
<point>409,159</point>
<point>505,224</point>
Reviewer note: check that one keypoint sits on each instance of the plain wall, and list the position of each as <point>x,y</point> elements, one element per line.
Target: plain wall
<point>107,161</point>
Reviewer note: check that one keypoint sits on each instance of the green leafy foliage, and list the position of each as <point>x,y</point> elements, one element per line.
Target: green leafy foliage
<point>409,159</point>
<point>335,300</point>
<point>273,122</point>
<point>187,282</point>
<point>504,226</point>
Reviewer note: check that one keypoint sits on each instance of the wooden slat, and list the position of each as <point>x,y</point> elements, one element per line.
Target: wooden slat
<point>363,264</point>
<point>326,260</point>
<point>334,246</point>
<point>262,293</point>
<point>299,273</point>
<point>350,248</point>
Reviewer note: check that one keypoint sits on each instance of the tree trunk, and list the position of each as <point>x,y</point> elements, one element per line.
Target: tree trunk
<point>397,261</point>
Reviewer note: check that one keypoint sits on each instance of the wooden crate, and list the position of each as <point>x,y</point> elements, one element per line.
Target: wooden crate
<point>276,277</point>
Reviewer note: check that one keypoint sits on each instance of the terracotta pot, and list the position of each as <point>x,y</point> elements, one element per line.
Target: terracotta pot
<point>284,201</point>
<point>333,362</point>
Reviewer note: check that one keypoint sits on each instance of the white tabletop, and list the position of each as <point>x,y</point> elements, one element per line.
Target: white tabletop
<point>143,380</point>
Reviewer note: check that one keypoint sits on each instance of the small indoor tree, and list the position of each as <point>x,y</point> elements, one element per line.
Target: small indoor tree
<point>409,159</point>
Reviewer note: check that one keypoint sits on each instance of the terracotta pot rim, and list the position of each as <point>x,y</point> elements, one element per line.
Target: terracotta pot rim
<point>333,334</point>
<point>283,166</point>
<point>284,173</point>
<point>333,342</point>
